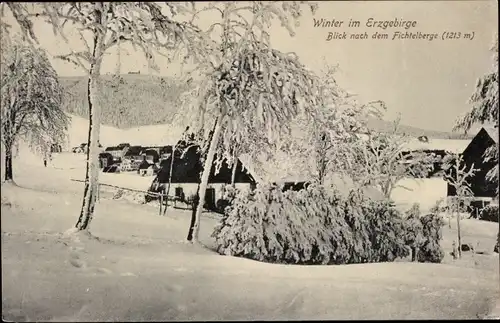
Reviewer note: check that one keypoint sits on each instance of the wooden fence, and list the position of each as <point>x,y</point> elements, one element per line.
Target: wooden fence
<point>163,196</point>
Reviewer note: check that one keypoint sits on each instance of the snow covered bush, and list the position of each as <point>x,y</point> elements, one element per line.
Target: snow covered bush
<point>316,225</point>
<point>431,250</point>
<point>414,230</point>
<point>227,199</point>
<point>498,244</point>
<point>387,231</point>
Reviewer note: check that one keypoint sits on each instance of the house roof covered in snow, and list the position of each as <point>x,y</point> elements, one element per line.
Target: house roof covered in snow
<point>134,151</point>
<point>187,170</point>
<point>449,145</point>
<point>113,148</point>
<point>430,144</point>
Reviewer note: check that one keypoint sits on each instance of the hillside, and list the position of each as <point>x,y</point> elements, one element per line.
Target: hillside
<point>133,100</point>
<point>138,100</point>
<point>384,126</point>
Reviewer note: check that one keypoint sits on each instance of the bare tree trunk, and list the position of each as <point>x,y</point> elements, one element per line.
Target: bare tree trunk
<point>449,211</point>
<point>459,236</point>
<point>169,179</point>
<point>233,173</point>
<point>92,171</point>
<point>387,189</point>
<point>194,208</point>
<point>321,171</point>
<point>195,227</point>
<point>8,163</point>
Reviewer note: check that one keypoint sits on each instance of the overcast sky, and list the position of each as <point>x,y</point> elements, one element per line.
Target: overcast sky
<point>428,82</point>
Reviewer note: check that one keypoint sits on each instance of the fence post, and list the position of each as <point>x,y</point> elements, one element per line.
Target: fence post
<point>161,203</point>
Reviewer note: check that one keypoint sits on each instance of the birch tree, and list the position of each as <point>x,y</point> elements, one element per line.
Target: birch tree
<point>382,160</point>
<point>458,175</point>
<point>30,101</point>
<point>484,101</point>
<point>102,26</point>
<point>247,86</point>
<point>329,137</point>
<point>186,142</point>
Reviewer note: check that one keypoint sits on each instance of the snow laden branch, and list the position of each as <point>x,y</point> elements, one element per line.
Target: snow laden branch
<point>255,98</point>
<point>245,87</point>
<point>30,101</point>
<point>144,25</point>
<point>243,22</point>
<point>258,93</point>
<point>382,160</point>
<point>484,101</point>
<point>458,174</point>
<point>149,27</point>
<point>328,138</point>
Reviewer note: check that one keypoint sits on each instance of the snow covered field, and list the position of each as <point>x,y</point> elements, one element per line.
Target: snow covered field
<point>136,266</point>
<point>427,192</point>
<point>154,135</point>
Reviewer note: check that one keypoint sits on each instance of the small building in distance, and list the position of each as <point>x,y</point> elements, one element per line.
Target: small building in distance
<point>132,159</point>
<point>118,152</point>
<point>105,159</point>
<point>152,155</point>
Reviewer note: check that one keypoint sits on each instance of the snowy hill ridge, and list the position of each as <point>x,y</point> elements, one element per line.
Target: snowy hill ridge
<point>140,100</point>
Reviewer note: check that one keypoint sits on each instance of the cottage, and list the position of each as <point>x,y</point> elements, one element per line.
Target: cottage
<point>152,155</point>
<point>186,176</point>
<point>123,145</point>
<point>117,152</point>
<point>147,169</point>
<point>105,159</point>
<point>82,148</point>
<point>484,191</point>
<point>132,159</point>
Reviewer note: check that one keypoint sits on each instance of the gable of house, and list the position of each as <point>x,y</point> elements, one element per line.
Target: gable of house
<point>492,132</point>
<point>474,154</point>
<point>478,145</point>
<point>151,154</point>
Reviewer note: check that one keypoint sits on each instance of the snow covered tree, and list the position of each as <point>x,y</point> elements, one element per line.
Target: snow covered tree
<point>458,174</point>
<point>484,110</point>
<point>187,141</point>
<point>30,101</point>
<point>102,26</point>
<point>328,138</point>
<point>381,160</point>
<point>247,87</point>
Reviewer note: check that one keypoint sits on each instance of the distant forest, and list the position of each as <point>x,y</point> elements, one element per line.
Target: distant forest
<point>134,100</point>
<point>128,101</point>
